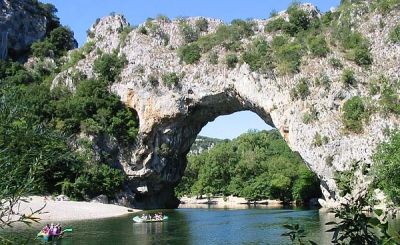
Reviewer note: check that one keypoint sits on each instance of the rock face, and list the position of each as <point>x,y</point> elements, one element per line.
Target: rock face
<point>172,116</point>
<point>21,23</point>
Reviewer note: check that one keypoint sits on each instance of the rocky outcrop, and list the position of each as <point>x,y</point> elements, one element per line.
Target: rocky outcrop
<point>172,116</point>
<point>22,23</point>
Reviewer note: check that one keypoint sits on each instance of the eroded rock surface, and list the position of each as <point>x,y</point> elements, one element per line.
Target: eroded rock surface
<point>22,23</point>
<point>172,116</point>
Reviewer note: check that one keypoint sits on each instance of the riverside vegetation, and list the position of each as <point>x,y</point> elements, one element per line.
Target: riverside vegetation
<point>256,165</point>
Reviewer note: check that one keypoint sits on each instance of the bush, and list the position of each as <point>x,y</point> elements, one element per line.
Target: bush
<point>213,58</point>
<point>153,80</point>
<point>354,112</point>
<point>318,46</point>
<point>189,53</point>
<point>143,30</point>
<point>109,66</point>
<point>301,90</point>
<point>170,79</point>
<point>227,36</point>
<point>387,166</point>
<point>348,77</point>
<point>62,38</point>
<point>189,33</point>
<point>98,180</point>
<point>394,35</point>
<point>202,25</point>
<point>275,25</point>
<point>299,20</point>
<point>310,116</point>
<point>386,6</point>
<point>123,35</point>
<point>231,60</point>
<point>42,49</point>
<point>336,63</point>
<point>287,54</point>
<point>258,56</point>
<point>356,45</point>
<point>323,80</point>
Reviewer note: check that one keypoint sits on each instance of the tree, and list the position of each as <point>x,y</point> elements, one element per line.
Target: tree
<point>62,38</point>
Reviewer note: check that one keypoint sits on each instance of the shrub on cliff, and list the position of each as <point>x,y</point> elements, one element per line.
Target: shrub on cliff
<point>287,54</point>
<point>189,53</point>
<point>170,79</point>
<point>109,66</point>
<point>354,113</point>
<point>231,60</point>
<point>386,166</point>
<point>188,33</point>
<point>318,46</point>
<point>394,35</point>
<point>258,56</point>
<point>301,90</point>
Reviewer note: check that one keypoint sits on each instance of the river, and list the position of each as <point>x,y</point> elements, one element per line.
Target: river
<point>198,226</point>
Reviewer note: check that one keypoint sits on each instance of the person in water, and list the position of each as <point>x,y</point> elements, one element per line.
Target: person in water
<point>46,229</point>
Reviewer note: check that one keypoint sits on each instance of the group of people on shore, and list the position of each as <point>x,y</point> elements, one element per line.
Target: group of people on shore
<point>157,216</point>
<point>52,230</point>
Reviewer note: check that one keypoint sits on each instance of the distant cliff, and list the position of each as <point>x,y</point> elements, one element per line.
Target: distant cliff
<point>203,143</point>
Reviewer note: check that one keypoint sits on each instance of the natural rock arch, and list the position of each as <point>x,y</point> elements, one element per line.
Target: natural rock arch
<point>172,115</point>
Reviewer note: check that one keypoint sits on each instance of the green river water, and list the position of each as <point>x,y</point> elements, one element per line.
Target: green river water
<point>196,226</point>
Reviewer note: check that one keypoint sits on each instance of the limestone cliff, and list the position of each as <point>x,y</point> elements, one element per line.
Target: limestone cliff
<point>171,116</point>
<point>22,23</point>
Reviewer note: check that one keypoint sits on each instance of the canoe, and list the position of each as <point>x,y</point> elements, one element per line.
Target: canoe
<point>137,219</point>
<point>47,238</point>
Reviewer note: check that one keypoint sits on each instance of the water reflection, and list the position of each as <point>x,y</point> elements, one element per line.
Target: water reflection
<point>198,226</point>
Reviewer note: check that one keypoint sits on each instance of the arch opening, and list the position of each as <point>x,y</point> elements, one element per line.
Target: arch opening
<point>254,163</point>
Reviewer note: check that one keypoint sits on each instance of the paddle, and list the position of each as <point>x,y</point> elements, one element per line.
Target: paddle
<point>67,230</point>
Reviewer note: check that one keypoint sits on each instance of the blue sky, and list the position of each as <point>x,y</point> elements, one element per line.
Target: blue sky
<point>81,14</point>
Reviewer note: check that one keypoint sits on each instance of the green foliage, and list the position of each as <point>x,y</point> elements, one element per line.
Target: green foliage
<point>356,46</point>
<point>213,58</point>
<point>57,43</point>
<point>299,20</point>
<point>258,56</point>
<point>163,18</point>
<point>301,90</point>
<point>386,166</point>
<point>394,35</point>
<point>310,116</point>
<point>202,25</point>
<point>95,181</point>
<point>324,81</point>
<point>42,49</point>
<point>109,66</point>
<point>320,140</point>
<point>287,55</point>
<point>275,25</point>
<point>385,6</point>
<point>336,63</point>
<point>231,60</point>
<point>143,30</point>
<point>318,46</point>
<point>189,33</point>
<point>256,165</point>
<point>358,227</point>
<point>123,35</point>
<point>354,113</point>
<point>189,53</point>
<point>348,77</point>
<point>228,36</point>
<point>170,79</point>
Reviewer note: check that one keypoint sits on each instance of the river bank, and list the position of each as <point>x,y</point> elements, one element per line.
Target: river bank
<point>56,210</point>
<point>225,202</point>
